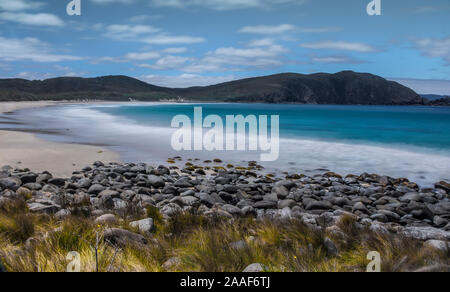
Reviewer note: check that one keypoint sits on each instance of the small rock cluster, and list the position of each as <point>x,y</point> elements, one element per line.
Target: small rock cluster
<point>382,203</point>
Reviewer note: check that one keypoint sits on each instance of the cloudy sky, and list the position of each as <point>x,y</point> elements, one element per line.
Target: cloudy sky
<point>181,43</point>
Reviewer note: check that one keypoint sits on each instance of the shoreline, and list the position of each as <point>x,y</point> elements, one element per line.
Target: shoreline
<point>20,148</point>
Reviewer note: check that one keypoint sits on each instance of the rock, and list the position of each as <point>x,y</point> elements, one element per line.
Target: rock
<point>11,183</point>
<point>440,222</point>
<point>28,178</point>
<point>322,205</point>
<point>359,206</point>
<point>42,208</point>
<point>183,183</point>
<point>233,210</point>
<point>24,193</point>
<point>121,237</point>
<point>109,193</point>
<point>412,196</point>
<point>106,219</point>
<point>442,208</point>
<point>33,186</point>
<point>81,199</point>
<point>84,183</point>
<point>330,248</point>
<point>394,217</point>
<point>171,209</point>
<point>222,180</point>
<point>238,245</point>
<point>255,268</point>
<point>63,214</point>
<point>145,225</point>
<point>426,233</point>
<point>185,201</point>
<point>380,218</point>
<point>438,244</point>
<point>265,205</point>
<point>326,220</point>
<point>287,203</point>
<point>43,178</point>
<point>443,185</point>
<point>59,182</point>
<point>171,263</point>
<point>96,189</point>
<point>206,199</point>
<point>156,181</point>
<point>281,191</point>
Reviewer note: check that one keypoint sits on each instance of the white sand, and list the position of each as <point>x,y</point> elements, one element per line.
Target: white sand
<point>21,150</point>
<point>14,106</point>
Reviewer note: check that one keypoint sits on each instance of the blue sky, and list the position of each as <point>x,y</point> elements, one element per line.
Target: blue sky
<point>181,43</point>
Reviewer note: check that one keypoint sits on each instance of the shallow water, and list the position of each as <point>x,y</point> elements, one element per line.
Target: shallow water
<point>412,142</point>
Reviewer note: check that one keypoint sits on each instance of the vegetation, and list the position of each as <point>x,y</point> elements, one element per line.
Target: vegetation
<point>187,242</point>
<point>346,87</point>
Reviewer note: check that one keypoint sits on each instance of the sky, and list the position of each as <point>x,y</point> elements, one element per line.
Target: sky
<point>181,43</point>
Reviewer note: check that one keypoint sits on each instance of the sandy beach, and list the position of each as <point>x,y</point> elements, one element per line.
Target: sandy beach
<point>19,149</point>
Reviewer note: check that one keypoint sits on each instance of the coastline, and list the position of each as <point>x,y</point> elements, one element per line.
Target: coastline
<point>20,149</point>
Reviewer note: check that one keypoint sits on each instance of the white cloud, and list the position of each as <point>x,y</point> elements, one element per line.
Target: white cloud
<point>318,29</point>
<point>142,56</point>
<point>167,63</point>
<point>112,1</point>
<point>339,45</point>
<point>261,42</point>
<point>19,5</point>
<point>426,86</point>
<point>143,18</point>
<point>226,4</point>
<point>178,50</point>
<point>238,59</point>
<point>435,48</point>
<point>127,32</point>
<point>29,49</point>
<point>185,80</point>
<point>39,19</point>
<point>335,60</point>
<point>145,34</point>
<point>268,29</point>
<point>172,40</point>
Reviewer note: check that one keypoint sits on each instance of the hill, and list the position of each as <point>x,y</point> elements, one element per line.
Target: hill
<point>346,87</point>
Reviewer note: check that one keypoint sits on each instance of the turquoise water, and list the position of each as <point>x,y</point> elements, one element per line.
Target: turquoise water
<point>415,126</point>
<point>412,142</point>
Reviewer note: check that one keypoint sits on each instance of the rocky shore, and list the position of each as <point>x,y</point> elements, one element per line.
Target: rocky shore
<point>385,204</point>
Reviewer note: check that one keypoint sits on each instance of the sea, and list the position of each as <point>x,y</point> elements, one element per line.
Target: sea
<point>397,141</point>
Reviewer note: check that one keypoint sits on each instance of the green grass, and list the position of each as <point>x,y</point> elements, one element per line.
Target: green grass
<point>202,245</point>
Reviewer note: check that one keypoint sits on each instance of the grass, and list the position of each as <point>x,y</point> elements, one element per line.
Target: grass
<point>31,243</point>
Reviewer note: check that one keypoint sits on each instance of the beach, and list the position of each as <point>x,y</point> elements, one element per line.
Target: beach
<point>21,149</point>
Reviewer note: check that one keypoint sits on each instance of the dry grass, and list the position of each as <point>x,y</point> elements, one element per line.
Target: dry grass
<point>203,244</point>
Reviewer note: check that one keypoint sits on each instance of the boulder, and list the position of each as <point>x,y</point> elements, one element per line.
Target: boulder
<point>145,225</point>
<point>106,219</point>
<point>156,181</point>
<point>255,268</point>
<point>426,233</point>
<point>121,237</point>
<point>11,183</point>
<point>330,248</point>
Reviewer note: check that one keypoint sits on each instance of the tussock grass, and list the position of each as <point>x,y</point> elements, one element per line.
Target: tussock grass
<point>31,242</point>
